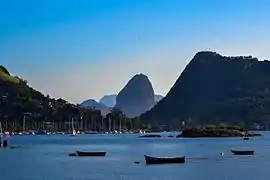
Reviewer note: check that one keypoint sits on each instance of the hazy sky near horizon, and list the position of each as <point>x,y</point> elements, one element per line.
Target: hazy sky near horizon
<point>88,48</point>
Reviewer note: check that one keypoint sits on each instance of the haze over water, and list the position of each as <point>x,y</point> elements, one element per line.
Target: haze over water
<point>47,158</point>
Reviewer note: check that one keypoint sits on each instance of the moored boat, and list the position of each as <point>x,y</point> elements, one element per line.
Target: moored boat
<point>74,133</point>
<point>72,154</point>
<point>82,153</point>
<point>163,160</point>
<point>151,136</point>
<point>242,152</point>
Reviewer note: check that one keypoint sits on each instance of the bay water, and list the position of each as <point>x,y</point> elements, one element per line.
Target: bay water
<point>46,157</point>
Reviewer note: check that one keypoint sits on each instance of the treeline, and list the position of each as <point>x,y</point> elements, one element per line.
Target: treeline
<point>23,108</point>
<point>216,89</point>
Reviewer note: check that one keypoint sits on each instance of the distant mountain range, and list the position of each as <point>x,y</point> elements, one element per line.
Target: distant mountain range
<point>217,89</point>
<point>158,98</point>
<point>139,88</point>
<point>93,104</point>
<point>19,100</point>
<point>110,100</point>
<point>212,89</point>
<point>136,97</point>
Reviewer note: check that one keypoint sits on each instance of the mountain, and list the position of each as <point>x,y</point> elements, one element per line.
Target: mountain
<point>214,89</point>
<point>93,104</point>
<point>136,97</point>
<point>158,97</point>
<point>110,100</point>
<point>18,100</point>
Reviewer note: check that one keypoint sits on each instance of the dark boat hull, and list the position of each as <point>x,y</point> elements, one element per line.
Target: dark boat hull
<point>72,154</point>
<point>242,152</point>
<point>164,160</point>
<point>151,136</point>
<point>80,153</point>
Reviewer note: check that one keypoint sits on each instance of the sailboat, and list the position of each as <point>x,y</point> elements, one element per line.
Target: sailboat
<point>1,134</point>
<point>74,133</point>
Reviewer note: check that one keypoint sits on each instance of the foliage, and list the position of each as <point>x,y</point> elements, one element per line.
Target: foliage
<point>4,75</point>
<point>18,99</point>
<point>215,89</point>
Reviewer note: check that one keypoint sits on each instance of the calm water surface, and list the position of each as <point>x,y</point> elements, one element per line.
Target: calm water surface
<point>46,158</point>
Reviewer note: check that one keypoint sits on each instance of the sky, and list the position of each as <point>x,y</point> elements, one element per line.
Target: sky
<point>85,49</point>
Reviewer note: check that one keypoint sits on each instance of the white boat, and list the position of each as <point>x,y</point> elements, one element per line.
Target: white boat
<point>142,131</point>
<point>74,133</point>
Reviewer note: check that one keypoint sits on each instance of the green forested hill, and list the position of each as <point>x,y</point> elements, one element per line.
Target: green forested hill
<point>18,99</point>
<point>214,89</point>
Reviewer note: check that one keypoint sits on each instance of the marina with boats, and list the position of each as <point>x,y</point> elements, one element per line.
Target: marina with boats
<point>73,127</point>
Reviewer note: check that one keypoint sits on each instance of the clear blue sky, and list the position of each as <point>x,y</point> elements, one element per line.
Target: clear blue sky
<point>87,48</point>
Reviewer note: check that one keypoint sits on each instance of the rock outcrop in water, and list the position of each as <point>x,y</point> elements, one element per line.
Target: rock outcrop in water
<point>216,131</point>
<point>214,89</point>
<point>136,97</point>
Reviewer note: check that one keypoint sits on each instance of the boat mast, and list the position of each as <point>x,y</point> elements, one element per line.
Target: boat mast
<point>85,124</point>
<point>114,124</point>
<point>1,131</point>
<point>24,123</point>
<point>120,127</point>
<point>110,128</point>
<point>6,126</point>
<point>69,123</point>
<point>73,129</point>
<point>102,124</point>
<point>81,124</point>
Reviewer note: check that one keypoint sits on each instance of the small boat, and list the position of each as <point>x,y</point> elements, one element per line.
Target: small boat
<point>81,153</point>
<point>72,154</point>
<point>164,160</point>
<point>246,138</point>
<point>19,147</point>
<point>151,136</point>
<point>74,133</point>
<point>242,152</point>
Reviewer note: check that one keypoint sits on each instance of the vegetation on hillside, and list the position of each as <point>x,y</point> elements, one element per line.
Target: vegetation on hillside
<point>217,89</point>
<point>5,76</point>
<point>19,101</point>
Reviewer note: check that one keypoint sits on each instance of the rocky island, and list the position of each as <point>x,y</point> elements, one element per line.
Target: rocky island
<point>217,131</point>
